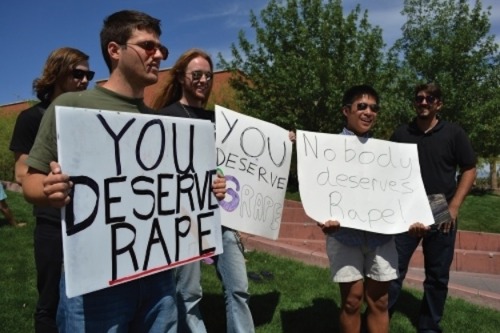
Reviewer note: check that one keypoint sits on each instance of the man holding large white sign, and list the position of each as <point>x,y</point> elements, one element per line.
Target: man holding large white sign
<point>361,191</point>
<point>130,41</point>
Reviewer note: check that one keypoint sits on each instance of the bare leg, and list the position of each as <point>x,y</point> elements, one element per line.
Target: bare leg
<point>350,311</point>
<point>377,300</point>
<point>8,215</point>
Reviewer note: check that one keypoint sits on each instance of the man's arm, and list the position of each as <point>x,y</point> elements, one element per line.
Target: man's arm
<point>47,190</point>
<point>467,178</point>
<point>20,168</point>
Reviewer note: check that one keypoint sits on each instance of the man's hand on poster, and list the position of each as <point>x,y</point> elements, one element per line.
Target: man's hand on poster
<point>329,226</point>
<point>57,186</point>
<point>418,229</point>
<point>219,186</point>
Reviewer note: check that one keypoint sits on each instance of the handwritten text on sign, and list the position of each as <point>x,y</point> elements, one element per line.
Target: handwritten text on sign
<point>255,156</point>
<point>142,200</point>
<point>365,184</point>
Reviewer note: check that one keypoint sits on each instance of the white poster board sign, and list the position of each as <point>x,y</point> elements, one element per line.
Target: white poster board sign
<point>366,184</point>
<point>142,200</point>
<point>254,156</point>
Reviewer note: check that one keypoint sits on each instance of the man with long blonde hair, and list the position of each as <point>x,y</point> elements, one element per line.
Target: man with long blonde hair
<point>184,94</point>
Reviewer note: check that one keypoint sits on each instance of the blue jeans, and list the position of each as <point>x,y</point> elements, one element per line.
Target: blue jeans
<point>231,270</point>
<point>139,306</point>
<point>438,250</point>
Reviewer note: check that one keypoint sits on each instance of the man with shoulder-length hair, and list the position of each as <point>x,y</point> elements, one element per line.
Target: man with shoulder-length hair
<point>66,69</point>
<point>130,44</point>
<point>184,94</point>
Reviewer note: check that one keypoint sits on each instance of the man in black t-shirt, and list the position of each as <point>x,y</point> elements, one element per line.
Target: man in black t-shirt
<point>184,94</point>
<point>66,69</point>
<point>442,148</point>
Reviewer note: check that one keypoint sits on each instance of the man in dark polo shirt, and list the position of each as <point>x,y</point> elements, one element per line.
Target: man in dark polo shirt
<point>443,147</point>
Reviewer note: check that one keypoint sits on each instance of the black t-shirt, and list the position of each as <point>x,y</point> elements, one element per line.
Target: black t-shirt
<point>23,138</point>
<point>26,127</point>
<point>440,151</point>
<point>184,111</point>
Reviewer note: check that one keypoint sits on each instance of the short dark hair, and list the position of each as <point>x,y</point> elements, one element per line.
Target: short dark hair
<point>357,91</point>
<point>430,88</point>
<point>118,27</point>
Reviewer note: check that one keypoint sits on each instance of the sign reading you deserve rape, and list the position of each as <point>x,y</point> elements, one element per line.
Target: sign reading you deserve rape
<point>142,200</point>
<point>366,184</point>
<point>255,157</point>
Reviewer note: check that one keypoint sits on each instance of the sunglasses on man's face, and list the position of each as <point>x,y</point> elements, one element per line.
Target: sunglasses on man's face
<point>197,75</point>
<point>429,99</point>
<point>363,106</point>
<point>150,47</point>
<point>80,73</point>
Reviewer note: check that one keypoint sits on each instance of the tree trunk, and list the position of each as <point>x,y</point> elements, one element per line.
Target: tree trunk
<point>493,174</point>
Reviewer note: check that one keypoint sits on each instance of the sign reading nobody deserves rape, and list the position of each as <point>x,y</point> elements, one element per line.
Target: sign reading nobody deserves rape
<point>142,200</point>
<point>255,157</point>
<point>366,184</point>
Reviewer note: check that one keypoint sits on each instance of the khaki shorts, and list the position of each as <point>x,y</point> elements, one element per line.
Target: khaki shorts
<point>353,263</point>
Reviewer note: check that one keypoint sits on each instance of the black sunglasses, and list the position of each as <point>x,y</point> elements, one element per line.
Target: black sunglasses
<point>80,73</point>
<point>197,75</point>
<point>364,106</point>
<point>429,99</point>
<point>150,47</point>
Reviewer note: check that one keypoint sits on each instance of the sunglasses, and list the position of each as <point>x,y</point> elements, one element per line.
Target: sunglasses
<point>80,73</point>
<point>150,47</point>
<point>197,75</point>
<point>429,99</point>
<point>363,106</point>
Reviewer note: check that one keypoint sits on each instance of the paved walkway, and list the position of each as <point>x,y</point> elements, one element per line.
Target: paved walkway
<point>481,289</point>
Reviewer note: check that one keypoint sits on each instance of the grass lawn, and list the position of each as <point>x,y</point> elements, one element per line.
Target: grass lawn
<point>299,298</point>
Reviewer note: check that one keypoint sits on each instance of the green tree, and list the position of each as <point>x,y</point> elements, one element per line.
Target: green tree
<point>306,53</point>
<point>449,42</point>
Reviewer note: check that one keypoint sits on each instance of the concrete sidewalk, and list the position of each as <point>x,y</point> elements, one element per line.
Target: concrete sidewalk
<point>480,289</point>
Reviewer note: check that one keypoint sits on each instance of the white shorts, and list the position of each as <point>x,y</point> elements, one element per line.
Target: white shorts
<point>353,263</point>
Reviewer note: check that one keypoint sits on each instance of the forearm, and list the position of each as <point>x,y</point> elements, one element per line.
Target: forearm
<point>32,184</point>
<point>466,181</point>
<point>47,190</point>
<point>21,169</point>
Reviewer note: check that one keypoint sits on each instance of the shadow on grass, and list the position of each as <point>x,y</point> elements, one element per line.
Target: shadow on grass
<point>262,306</point>
<point>321,316</point>
<point>409,306</point>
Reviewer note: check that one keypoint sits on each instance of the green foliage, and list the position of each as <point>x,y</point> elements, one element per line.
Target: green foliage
<point>480,213</point>
<point>305,55</point>
<point>448,42</point>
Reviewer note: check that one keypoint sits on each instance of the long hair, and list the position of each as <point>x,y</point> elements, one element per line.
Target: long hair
<point>59,64</point>
<point>170,90</point>
<point>119,27</point>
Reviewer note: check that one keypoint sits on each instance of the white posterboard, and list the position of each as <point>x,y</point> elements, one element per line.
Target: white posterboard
<point>142,200</point>
<point>254,156</point>
<point>365,184</point>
